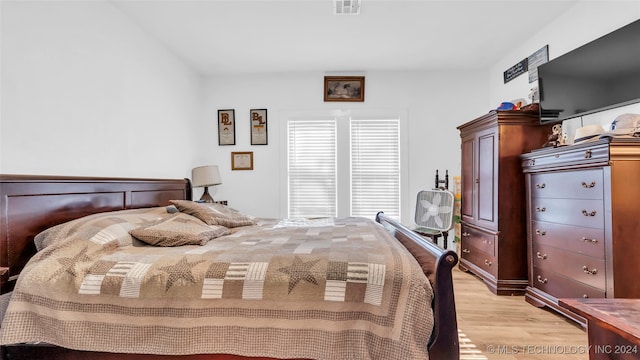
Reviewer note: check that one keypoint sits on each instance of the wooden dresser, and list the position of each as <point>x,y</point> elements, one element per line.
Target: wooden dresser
<point>493,225</point>
<point>583,222</point>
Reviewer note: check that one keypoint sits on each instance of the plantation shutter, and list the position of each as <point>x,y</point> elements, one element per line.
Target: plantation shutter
<point>312,168</point>
<point>375,167</point>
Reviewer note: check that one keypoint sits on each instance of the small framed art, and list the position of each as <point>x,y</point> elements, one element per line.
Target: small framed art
<point>242,160</point>
<point>226,127</point>
<point>344,88</point>
<point>258,126</point>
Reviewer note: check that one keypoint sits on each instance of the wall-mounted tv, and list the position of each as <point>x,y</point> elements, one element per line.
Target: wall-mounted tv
<point>600,75</point>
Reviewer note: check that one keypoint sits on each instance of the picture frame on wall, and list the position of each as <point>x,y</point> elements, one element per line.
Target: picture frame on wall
<point>226,127</point>
<point>242,160</point>
<point>258,126</point>
<point>344,88</point>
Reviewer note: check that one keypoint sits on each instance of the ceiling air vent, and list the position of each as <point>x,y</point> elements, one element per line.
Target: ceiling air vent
<point>346,7</point>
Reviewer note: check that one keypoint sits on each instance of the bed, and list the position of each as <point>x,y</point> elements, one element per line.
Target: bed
<point>366,306</point>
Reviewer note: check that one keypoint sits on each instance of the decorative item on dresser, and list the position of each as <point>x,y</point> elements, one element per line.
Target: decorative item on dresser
<point>493,241</point>
<point>582,222</point>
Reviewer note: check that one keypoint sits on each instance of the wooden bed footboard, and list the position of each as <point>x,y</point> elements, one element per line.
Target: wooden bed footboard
<point>437,264</point>
<point>29,204</point>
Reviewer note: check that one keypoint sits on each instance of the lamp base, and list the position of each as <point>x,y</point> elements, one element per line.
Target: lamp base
<point>206,197</point>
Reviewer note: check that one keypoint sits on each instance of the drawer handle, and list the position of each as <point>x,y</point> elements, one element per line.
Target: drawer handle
<point>541,233</point>
<point>541,209</point>
<point>541,280</point>
<point>532,162</point>
<point>586,213</point>
<point>541,186</point>
<point>487,262</point>
<point>589,240</point>
<point>588,186</point>
<point>590,272</point>
<point>466,251</point>
<point>485,241</point>
<point>587,154</point>
<point>541,256</point>
<point>465,234</point>
<point>585,296</point>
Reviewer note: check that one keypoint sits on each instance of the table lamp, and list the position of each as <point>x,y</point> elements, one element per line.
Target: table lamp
<point>206,176</point>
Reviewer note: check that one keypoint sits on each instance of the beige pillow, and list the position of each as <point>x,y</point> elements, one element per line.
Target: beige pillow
<point>213,214</point>
<point>177,230</point>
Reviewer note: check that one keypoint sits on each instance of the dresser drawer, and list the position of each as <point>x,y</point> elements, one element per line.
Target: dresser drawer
<point>589,213</point>
<point>559,286</point>
<point>582,268</point>
<point>581,184</point>
<point>483,241</point>
<point>582,240</point>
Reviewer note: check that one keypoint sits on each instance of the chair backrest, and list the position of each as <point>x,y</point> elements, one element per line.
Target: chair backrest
<point>434,209</point>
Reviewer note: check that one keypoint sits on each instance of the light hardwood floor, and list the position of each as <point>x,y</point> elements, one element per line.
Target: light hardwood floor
<point>509,328</point>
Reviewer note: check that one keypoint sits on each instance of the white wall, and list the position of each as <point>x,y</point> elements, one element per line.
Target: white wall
<point>434,103</point>
<point>85,92</point>
<point>584,22</point>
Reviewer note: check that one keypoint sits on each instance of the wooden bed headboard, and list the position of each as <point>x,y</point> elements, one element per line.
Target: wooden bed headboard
<point>30,204</point>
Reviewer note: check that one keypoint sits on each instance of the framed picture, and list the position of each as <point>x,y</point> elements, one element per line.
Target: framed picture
<point>242,160</point>
<point>344,88</point>
<point>226,127</point>
<point>258,126</point>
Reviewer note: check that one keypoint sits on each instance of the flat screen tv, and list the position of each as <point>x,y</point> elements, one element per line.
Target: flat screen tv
<point>600,75</point>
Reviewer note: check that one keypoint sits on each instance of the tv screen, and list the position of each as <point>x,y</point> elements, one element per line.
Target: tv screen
<point>602,74</point>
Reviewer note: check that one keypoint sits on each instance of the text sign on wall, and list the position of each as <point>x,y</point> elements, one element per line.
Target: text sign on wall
<point>515,71</point>
<point>536,59</point>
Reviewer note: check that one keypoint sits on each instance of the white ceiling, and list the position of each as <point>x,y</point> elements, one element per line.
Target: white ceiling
<point>242,36</point>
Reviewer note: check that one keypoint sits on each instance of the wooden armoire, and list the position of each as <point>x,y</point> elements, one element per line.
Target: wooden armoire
<point>493,214</point>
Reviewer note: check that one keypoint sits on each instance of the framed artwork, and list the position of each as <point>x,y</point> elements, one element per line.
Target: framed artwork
<point>258,126</point>
<point>242,160</point>
<point>226,127</point>
<point>344,88</point>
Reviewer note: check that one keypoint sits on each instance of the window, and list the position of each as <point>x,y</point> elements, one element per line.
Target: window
<point>312,168</point>
<point>331,174</point>
<point>375,167</point>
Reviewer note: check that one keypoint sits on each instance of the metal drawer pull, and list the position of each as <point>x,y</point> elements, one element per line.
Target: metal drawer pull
<point>465,234</point>
<point>587,154</point>
<point>541,256</point>
<point>585,296</point>
<point>541,280</point>
<point>541,209</point>
<point>587,186</point>
<point>589,240</point>
<point>541,233</point>
<point>487,262</point>
<point>590,272</point>
<point>541,186</point>
<point>586,213</point>
<point>466,251</point>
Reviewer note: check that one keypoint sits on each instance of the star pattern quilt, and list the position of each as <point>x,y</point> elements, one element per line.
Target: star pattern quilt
<point>338,288</point>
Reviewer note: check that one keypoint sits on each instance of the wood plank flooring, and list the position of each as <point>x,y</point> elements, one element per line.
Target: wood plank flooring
<point>509,328</point>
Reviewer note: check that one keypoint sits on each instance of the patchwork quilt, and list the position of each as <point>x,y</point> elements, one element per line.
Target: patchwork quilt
<point>338,288</point>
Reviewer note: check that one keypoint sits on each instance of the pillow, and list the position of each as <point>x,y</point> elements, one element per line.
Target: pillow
<point>213,214</point>
<point>177,230</point>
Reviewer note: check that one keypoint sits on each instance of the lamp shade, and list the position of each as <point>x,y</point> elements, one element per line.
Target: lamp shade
<point>205,176</point>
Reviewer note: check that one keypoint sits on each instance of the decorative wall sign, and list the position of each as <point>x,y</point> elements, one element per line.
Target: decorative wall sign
<point>515,71</point>
<point>226,127</point>
<point>242,160</point>
<point>536,59</point>
<point>258,126</point>
<point>344,88</point>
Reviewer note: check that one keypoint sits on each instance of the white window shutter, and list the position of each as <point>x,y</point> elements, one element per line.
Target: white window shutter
<point>312,168</point>
<point>375,167</point>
